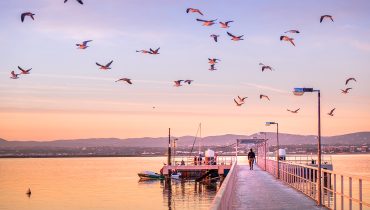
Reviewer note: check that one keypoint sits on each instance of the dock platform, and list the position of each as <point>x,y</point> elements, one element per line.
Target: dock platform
<point>256,189</point>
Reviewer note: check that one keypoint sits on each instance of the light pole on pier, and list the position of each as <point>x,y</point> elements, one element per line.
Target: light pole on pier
<point>265,150</point>
<point>300,92</point>
<point>278,147</point>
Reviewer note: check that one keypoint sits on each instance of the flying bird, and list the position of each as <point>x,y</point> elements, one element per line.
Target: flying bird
<point>346,90</point>
<point>294,111</point>
<point>154,52</point>
<point>292,31</point>
<point>213,60</point>
<point>331,113</point>
<point>326,16</point>
<point>28,193</point>
<point>235,38</point>
<point>264,96</point>
<point>212,67</point>
<point>79,1</point>
<point>286,38</point>
<point>225,24</point>
<point>125,80</point>
<point>349,79</point>
<point>13,75</point>
<point>177,83</point>
<point>83,45</point>
<point>207,22</point>
<point>30,14</point>
<point>215,37</point>
<point>144,51</point>
<point>237,103</point>
<point>264,67</point>
<point>105,67</point>
<point>242,99</point>
<point>188,81</point>
<point>192,10</point>
<point>24,71</point>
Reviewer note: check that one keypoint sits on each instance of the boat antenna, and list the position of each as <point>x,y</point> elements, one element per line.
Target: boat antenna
<point>195,139</point>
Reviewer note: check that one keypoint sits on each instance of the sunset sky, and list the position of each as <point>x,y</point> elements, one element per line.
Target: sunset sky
<point>66,96</point>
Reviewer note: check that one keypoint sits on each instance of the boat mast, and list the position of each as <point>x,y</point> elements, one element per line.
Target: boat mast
<point>200,136</point>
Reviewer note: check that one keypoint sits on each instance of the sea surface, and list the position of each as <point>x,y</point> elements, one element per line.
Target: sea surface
<point>112,183</point>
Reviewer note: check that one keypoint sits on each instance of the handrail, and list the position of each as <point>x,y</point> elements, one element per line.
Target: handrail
<point>337,188</point>
<point>223,198</point>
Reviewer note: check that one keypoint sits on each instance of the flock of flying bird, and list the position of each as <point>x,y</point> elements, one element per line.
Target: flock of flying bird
<point>239,101</point>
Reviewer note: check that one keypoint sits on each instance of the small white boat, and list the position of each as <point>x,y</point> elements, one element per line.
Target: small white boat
<point>150,175</point>
<point>176,176</point>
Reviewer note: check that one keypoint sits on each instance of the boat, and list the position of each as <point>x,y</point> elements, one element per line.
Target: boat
<point>176,176</point>
<point>149,175</point>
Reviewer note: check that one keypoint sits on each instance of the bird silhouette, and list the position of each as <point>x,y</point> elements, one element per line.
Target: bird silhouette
<point>105,67</point>
<point>241,99</point>
<point>214,36</point>
<point>188,81</point>
<point>207,22</point>
<point>83,45</point>
<point>225,24</point>
<point>213,60</point>
<point>237,103</point>
<point>331,113</point>
<point>346,90</point>
<point>154,52</point>
<point>192,10</point>
<point>264,96</point>
<point>293,111</point>
<point>264,67</point>
<point>326,16</point>
<point>177,83</point>
<point>13,75</point>
<point>24,71</point>
<point>125,80</point>
<point>288,39</point>
<point>28,193</point>
<point>235,38</point>
<point>212,67</point>
<point>292,31</point>
<point>79,1</point>
<point>349,79</point>
<point>30,14</point>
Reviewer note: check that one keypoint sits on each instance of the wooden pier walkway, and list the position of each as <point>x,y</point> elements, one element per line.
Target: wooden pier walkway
<point>258,189</point>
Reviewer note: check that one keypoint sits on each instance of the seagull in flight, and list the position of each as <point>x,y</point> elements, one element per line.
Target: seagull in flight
<point>125,80</point>
<point>213,60</point>
<point>215,37</point>
<point>237,103</point>
<point>235,38</point>
<point>30,14</point>
<point>83,45</point>
<point>294,111</point>
<point>242,99</point>
<point>105,67</point>
<point>192,10</point>
<point>207,22</point>
<point>24,71</point>
<point>349,79</point>
<point>144,51</point>
<point>188,81</point>
<point>346,90</point>
<point>264,96</point>
<point>212,67</point>
<point>326,16</point>
<point>177,83</point>
<point>292,31</point>
<point>225,24</point>
<point>331,113</point>
<point>13,75</point>
<point>154,52</point>
<point>288,39</point>
<point>264,67</point>
<point>79,1</point>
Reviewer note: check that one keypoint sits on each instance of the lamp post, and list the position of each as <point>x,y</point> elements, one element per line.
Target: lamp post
<point>300,92</point>
<point>277,144</point>
<point>264,147</point>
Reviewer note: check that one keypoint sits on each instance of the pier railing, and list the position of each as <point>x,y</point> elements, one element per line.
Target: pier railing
<point>223,198</point>
<point>339,191</point>
<point>191,161</point>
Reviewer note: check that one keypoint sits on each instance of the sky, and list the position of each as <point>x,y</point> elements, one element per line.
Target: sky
<point>66,96</point>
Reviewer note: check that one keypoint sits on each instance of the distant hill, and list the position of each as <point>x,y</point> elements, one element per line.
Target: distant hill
<point>220,140</point>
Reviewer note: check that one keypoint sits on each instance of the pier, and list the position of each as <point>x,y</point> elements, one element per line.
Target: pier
<point>285,184</point>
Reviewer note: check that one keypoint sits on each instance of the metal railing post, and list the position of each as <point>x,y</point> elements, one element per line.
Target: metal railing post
<point>350,193</point>
<point>335,192</point>
<point>341,193</point>
<point>360,193</point>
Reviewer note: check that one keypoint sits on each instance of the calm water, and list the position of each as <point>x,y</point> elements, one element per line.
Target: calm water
<point>112,183</point>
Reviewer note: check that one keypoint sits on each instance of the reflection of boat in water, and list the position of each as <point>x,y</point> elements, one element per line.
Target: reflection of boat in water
<point>144,175</point>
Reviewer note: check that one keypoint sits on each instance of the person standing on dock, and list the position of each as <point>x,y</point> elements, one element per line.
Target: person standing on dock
<point>251,157</point>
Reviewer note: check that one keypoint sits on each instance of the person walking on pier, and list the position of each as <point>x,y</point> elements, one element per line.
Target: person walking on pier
<point>251,157</point>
